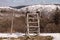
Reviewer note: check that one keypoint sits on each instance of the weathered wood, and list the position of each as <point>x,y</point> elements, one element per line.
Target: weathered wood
<point>34,17</point>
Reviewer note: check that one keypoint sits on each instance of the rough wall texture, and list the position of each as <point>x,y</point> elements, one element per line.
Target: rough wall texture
<point>49,18</point>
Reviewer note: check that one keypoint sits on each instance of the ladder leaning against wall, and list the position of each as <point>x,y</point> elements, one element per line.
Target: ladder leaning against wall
<point>33,25</point>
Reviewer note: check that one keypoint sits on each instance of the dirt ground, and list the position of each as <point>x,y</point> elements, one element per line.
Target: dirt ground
<point>38,38</point>
<point>30,38</point>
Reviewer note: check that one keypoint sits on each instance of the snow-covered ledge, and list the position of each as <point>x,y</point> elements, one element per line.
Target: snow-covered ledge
<point>56,36</point>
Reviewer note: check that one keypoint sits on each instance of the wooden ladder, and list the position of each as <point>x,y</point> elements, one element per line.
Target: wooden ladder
<point>33,25</point>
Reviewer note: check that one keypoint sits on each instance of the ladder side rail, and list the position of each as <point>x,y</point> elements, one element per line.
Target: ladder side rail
<point>38,24</point>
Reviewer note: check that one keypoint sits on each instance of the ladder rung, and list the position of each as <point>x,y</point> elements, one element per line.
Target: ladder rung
<point>32,22</point>
<point>32,14</point>
<point>33,18</point>
<point>33,26</point>
<point>32,31</point>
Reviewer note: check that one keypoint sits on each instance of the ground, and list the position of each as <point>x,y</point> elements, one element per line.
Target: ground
<point>32,38</point>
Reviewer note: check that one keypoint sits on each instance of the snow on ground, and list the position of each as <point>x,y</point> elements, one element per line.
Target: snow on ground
<point>56,36</point>
<point>15,35</point>
<point>39,7</point>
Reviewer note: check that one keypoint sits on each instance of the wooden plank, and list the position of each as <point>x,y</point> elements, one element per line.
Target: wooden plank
<point>33,26</point>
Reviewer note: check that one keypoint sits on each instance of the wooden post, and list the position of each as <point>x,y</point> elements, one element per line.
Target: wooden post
<point>12,22</point>
<point>12,17</point>
<point>27,27</point>
<point>38,25</point>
